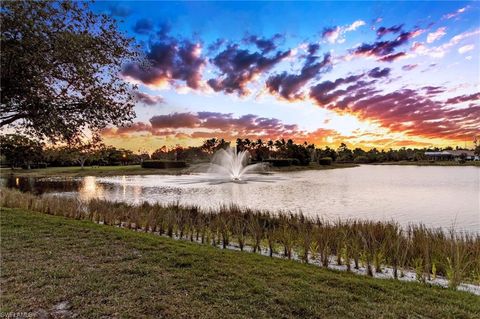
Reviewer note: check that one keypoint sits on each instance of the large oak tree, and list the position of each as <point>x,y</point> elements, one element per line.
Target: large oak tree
<point>60,65</point>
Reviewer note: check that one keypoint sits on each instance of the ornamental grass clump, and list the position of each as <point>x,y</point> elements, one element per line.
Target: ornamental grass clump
<point>376,245</point>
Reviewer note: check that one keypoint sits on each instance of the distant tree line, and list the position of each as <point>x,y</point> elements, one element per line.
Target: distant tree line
<point>22,151</point>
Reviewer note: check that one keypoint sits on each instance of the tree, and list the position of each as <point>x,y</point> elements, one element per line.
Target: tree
<point>19,149</point>
<point>327,152</point>
<point>212,145</point>
<point>160,153</point>
<point>344,153</point>
<point>60,67</point>
<point>80,153</point>
<point>476,143</point>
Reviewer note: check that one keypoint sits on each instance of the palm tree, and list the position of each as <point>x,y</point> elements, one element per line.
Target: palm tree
<point>259,143</point>
<point>247,143</point>
<point>270,147</point>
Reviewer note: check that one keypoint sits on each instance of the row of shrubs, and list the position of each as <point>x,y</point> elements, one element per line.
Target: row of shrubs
<point>325,161</point>
<point>282,162</point>
<point>35,166</point>
<point>275,162</point>
<point>163,164</point>
<point>354,243</point>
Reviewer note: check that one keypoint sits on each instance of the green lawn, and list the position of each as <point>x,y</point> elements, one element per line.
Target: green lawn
<point>312,166</point>
<point>77,171</point>
<point>92,171</point>
<point>108,272</point>
<point>436,163</point>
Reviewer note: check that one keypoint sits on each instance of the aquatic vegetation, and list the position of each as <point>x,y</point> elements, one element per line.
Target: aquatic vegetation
<point>429,253</point>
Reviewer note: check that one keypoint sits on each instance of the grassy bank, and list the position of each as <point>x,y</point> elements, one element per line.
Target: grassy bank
<point>77,171</point>
<point>311,166</point>
<point>51,264</point>
<point>357,245</point>
<point>428,163</point>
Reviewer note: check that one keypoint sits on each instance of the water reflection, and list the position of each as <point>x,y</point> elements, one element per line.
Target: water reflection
<point>89,188</point>
<point>436,196</point>
<point>41,185</point>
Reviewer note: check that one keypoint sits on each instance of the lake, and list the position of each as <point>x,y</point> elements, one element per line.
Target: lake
<point>435,196</point>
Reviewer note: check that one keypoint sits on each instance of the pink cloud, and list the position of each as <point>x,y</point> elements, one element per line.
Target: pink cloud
<point>438,34</point>
<point>456,13</point>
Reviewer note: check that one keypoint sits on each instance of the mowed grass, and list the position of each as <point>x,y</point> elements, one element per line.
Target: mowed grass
<point>104,271</point>
<point>77,171</point>
<point>312,166</point>
<point>428,163</point>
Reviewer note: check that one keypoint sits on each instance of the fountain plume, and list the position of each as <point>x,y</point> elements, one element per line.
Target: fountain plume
<point>231,163</point>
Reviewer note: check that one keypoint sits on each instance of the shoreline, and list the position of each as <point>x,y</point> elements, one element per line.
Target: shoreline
<point>104,171</point>
<point>76,171</point>
<point>173,275</point>
<point>427,163</point>
<point>299,237</point>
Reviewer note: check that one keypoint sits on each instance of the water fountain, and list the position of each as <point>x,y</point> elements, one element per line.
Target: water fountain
<point>232,164</point>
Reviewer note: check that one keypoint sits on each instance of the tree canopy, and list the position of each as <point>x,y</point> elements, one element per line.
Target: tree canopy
<point>20,150</point>
<point>60,67</point>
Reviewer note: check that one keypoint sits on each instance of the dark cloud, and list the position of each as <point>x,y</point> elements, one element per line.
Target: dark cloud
<point>238,67</point>
<point>175,120</point>
<point>475,97</point>
<point>148,99</point>
<point>409,111</point>
<point>288,86</point>
<point>264,44</point>
<point>120,10</point>
<point>392,57</point>
<point>313,48</point>
<point>216,45</point>
<point>133,128</point>
<point>394,29</point>
<point>331,33</point>
<point>324,92</point>
<point>169,60</point>
<point>143,26</point>
<point>433,90</point>
<point>379,73</point>
<point>384,50</point>
<point>210,124</point>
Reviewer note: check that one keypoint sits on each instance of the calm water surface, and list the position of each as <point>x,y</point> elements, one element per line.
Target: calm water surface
<point>435,196</point>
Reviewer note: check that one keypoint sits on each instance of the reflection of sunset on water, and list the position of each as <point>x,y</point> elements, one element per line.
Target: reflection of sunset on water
<point>89,188</point>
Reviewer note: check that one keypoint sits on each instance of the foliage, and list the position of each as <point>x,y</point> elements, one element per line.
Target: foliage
<point>377,244</point>
<point>476,143</point>
<point>193,154</point>
<point>325,161</point>
<point>20,150</point>
<point>81,152</point>
<point>278,152</point>
<point>113,272</point>
<point>344,153</point>
<point>279,162</point>
<point>60,67</point>
<point>212,145</point>
<point>163,164</point>
<point>327,152</point>
<point>361,159</point>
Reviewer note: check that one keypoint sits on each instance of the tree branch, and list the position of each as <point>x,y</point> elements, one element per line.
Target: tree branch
<point>11,119</point>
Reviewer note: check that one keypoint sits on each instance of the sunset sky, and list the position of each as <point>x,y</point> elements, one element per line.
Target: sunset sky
<point>372,74</point>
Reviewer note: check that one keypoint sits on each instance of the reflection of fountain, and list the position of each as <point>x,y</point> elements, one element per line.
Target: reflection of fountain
<point>231,163</point>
